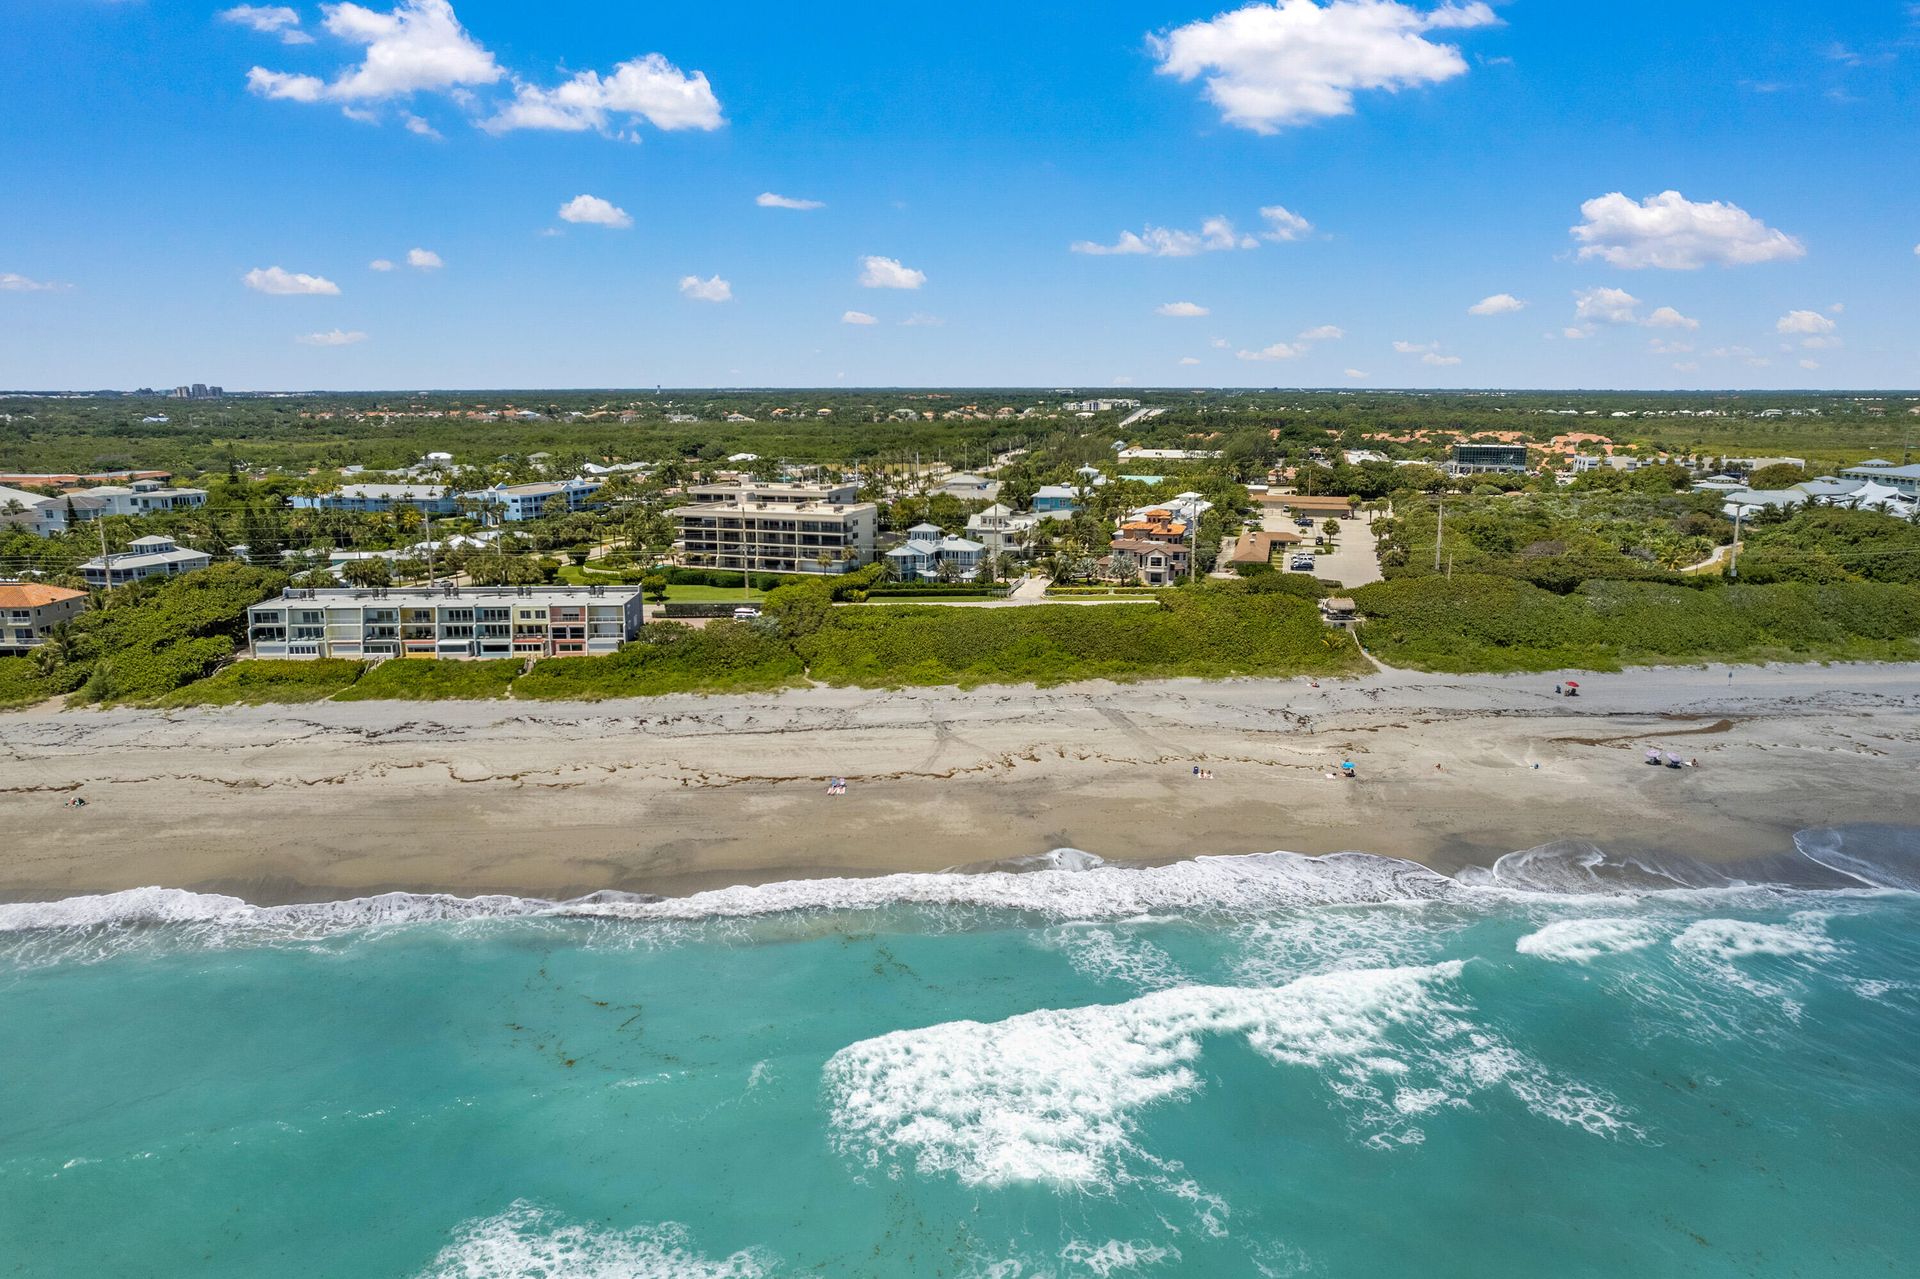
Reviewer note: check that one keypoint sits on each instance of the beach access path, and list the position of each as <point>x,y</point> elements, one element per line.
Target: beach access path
<point>675,794</point>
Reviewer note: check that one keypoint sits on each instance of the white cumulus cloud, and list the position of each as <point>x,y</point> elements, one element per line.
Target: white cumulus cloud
<point>380,264</point>
<point>1284,225</point>
<point>857,317</point>
<point>1324,333</point>
<point>712,289</point>
<point>1215,234</point>
<point>1666,317</point>
<point>273,279</point>
<point>332,337</point>
<point>1608,306</point>
<point>768,200</point>
<point>1804,322</point>
<point>269,19</point>
<point>424,260</point>
<point>649,88</point>
<point>1357,374</point>
<point>1498,304</point>
<point>419,46</point>
<point>1189,359</point>
<point>1439,361</point>
<point>1181,310</point>
<point>1278,351</point>
<point>1413,348</point>
<point>887,273</point>
<point>1271,66</point>
<point>593,211</point>
<point>1672,233</point>
<point>13,282</point>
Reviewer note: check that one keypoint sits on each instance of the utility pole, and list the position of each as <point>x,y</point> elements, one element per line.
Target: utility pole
<point>1733,571</point>
<point>430,574</point>
<point>106,563</point>
<point>1440,540</point>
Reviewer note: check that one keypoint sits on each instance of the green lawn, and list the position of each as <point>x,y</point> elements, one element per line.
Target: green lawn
<point>712,595</point>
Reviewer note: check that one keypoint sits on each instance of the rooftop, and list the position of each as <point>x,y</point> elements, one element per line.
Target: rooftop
<point>34,594</point>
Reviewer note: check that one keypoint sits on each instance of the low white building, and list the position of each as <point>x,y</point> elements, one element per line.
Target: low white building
<point>152,556</point>
<point>448,622</point>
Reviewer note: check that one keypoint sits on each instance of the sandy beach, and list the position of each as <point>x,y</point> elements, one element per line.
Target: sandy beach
<point>673,795</point>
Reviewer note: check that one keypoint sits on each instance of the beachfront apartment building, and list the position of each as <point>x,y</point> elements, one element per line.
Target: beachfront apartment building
<point>447,622</point>
<point>152,556</point>
<point>379,499</point>
<point>28,610</point>
<point>776,528</point>
<point>513,503</point>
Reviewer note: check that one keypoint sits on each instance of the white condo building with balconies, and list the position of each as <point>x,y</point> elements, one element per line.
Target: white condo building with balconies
<point>447,622</point>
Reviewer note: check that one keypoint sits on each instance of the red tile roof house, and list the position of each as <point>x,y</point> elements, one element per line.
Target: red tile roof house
<point>28,610</point>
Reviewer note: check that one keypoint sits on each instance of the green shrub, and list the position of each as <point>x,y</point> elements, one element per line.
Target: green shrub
<point>1201,633</point>
<point>255,683</point>
<point>20,684</point>
<point>155,636</point>
<point>1481,623</point>
<point>721,657</point>
<point>432,680</point>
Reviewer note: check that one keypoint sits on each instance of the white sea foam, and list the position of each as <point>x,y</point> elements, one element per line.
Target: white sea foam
<point>1581,941</point>
<point>1721,947</point>
<point>1105,955</point>
<point>526,1242</point>
<point>1116,1255</point>
<point>1054,1096</point>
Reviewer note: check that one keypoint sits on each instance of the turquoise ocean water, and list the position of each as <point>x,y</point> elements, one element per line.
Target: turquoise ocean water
<point>1238,1066</point>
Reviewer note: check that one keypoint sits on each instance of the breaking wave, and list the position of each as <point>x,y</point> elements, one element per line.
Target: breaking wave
<point>1067,885</point>
<point>1055,1096</point>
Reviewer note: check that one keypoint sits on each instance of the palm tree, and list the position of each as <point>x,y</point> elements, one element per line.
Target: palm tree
<point>56,648</point>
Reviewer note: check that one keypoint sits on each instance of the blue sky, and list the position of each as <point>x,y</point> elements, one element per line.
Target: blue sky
<point>1648,195</point>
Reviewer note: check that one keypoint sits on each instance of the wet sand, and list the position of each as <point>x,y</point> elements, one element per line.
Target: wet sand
<point>673,795</point>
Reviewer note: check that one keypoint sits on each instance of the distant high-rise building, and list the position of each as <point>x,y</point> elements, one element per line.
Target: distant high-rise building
<point>198,391</point>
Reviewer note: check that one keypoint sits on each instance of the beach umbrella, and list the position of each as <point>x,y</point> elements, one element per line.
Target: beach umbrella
<point>1573,683</point>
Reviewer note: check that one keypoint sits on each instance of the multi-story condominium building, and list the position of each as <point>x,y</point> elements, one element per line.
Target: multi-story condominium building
<point>512,503</point>
<point>28,610</point>
<point>842,494</point>
<point>776,528</point>
<point>449,622</point>
<point>428,499</point>
<point>153,556</point>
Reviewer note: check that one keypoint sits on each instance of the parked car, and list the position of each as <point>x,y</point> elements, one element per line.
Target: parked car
<point>746,613</point>
<point>1301,564</point>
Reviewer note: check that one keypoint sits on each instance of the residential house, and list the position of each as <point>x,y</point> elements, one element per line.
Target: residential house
<point>28,610</point>
<point>1154,563</point>
<point>142,497</point>
<point>921,557</point>
<point>1051,498</point>
<point>448,622</point>
<point>970,488</point>
<point>152,556</point>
